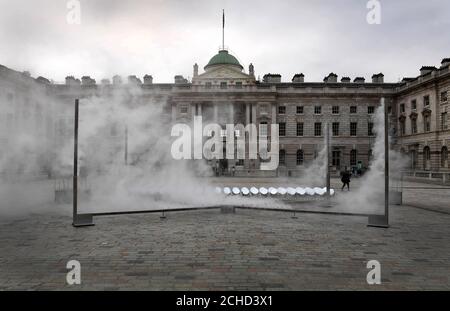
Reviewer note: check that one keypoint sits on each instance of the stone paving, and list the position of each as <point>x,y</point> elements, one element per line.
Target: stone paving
<point>208,250</point>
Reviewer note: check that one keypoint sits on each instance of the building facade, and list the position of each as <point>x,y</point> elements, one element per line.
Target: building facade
<point>224,93</point>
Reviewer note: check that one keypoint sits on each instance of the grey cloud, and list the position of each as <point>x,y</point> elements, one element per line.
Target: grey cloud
<point>165,38</point>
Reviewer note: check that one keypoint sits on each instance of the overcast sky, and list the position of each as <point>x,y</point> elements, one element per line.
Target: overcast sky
<point>165,38</point>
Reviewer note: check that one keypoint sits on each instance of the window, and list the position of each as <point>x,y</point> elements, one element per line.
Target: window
<point>402,108</point>
<point>370,129</point>
<point>353,128</point>
<point>281,109</point>
<point>444,156</point>
<point>208,85</point>
<point>183,108</point>
<point>317,109</point>
<point>239,85</point>
<point>402,127</point>
<point>444,121</point>
<point>240,162</point>
<point>444,97</point>
<point>353,109</point>
<point>336,158</point>
<point>335,109</point>
<point>370,109</point>
<point>282,157</point>
<point>300,129</point>
<point>414,126</point>
<point>299,109</point>
<point>263,129</point>
<point>317,129</point>
<point>426,158</point>
<point>427,123</point>
<point>299,157</point>
<point>414,104</point>
<point>335,128</point>
<point>426,100</point>
<point>413,159</point>
<point>282,129</point>
<point>353,157</point>
<point>223,85</point>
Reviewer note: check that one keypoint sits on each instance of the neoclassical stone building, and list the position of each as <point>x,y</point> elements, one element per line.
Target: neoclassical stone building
<point>225,93</point>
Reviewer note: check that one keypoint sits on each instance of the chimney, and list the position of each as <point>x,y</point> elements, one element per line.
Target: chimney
<point>332,78</point>
<point>359,80</point>
<point>117,80</point>
<point>345,80</point>
<point>195,70</point>
<point>445,62</point>
<point>70,80</point>
<point>251,70</point>
<point>43,80</point>
<point>148,79</point>
<point>86,80</point>
<point>298,78</point>
<point>427,69</point>
<point>179,79</point>
<point>272,78</point>
<point>378,78</point>
<point>134,80</point>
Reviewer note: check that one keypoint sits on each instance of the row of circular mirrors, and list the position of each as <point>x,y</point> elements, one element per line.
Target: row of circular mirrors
<point>274,191</point>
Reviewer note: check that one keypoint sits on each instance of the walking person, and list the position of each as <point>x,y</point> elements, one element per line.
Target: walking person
<point>345,179</point>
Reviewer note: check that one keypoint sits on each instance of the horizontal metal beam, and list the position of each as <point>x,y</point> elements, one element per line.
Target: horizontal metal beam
<point>268,209</point>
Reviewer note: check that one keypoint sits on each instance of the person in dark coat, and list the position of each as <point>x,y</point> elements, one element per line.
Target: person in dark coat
<point>345,179</point>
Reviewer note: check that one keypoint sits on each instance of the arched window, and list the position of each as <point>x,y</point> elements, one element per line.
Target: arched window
<point>426,158</point>
<point>444,156</point>
<point>353,157</point>
<point>282,157</point>
<point>299,157</point>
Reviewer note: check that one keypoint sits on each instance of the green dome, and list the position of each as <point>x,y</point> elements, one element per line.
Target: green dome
<point>223,58</point>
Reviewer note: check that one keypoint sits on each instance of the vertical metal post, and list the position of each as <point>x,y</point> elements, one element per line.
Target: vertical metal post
<point>382,221</point>
<point>79,220</point>
<point>126,144</point>
<point>75,165</point>
<point>328,158</point>
<point>386,162</point>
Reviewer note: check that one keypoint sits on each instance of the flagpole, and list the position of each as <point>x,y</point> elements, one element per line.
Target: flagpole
<point>223,29</point>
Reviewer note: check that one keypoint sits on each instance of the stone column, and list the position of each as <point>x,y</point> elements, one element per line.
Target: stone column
<point>247,114</point>
<point>193,108</point>
<point>231,118</point>
<point>247,121</point>
<point>274,113</point>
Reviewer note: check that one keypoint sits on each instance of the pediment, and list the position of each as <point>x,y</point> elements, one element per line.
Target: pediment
<point>223,72</point>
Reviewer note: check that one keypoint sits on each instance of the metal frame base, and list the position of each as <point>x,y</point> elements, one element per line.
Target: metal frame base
<point>379,221</point>
<point>83,220</point>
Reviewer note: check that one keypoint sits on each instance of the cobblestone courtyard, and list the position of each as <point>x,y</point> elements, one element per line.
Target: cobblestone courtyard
<point>208,250</point>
